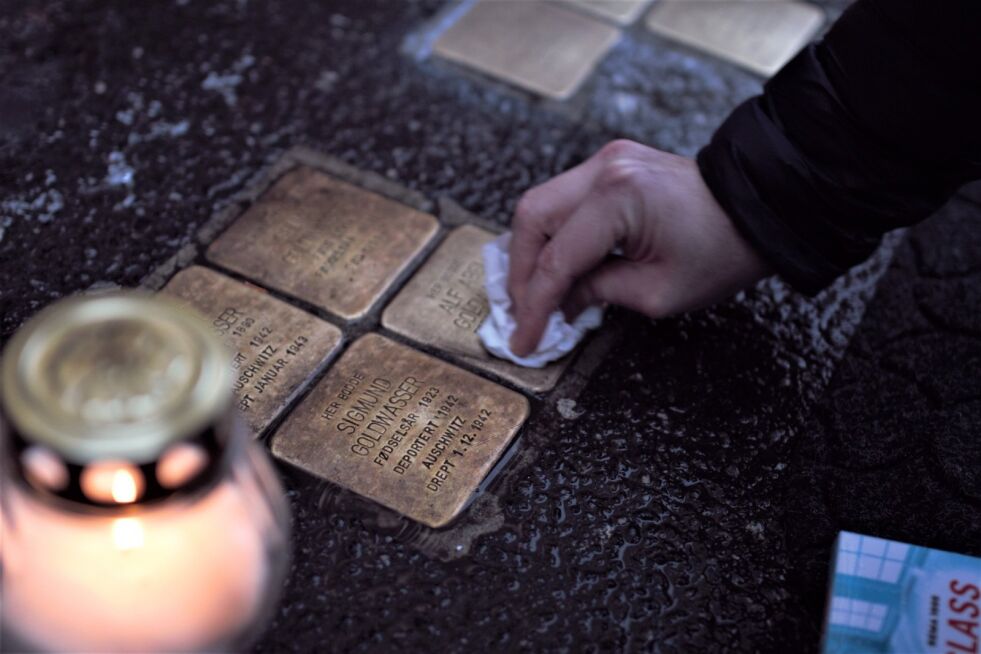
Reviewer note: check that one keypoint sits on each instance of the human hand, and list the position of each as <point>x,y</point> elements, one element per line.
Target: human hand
<point>680,251</point>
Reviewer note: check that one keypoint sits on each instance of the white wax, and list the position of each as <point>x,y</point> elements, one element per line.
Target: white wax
<point>178,577</point>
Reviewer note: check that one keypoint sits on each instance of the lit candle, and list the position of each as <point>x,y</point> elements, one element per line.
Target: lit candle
<point>182,549</point>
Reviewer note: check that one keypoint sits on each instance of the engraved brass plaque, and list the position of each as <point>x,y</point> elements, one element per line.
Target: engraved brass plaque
<point>405,429</point>
<point>276,347</point>
<point>444,303</point>
<point>324,241</point>
<point>760,36</point>
<point>623,12</point>
<point>539,46</point>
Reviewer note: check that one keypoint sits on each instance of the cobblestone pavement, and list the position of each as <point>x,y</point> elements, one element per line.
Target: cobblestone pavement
<point>686,499</point>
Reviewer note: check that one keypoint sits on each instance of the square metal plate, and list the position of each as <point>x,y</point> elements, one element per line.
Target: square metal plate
<point>761,35</point>
<point>276,347</point>
<point>538,46</point>
<point>622,12</point>
<point>444,303</point>
<point>332,244</point>
<point>405,429</point>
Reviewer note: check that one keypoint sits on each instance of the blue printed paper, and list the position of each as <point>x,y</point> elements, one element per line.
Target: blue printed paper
<point>890,597</point>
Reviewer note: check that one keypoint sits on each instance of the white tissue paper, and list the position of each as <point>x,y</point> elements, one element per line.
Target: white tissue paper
<point>559,337</point>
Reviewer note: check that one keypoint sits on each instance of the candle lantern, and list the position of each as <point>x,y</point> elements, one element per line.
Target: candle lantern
<point>136,513</point>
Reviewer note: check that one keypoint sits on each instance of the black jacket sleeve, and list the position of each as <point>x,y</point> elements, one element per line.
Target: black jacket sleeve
<point>869,130</point>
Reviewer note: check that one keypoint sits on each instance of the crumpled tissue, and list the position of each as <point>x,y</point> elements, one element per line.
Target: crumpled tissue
<point>559,337</point>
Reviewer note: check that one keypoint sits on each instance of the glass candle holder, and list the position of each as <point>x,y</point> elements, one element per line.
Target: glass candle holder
<point>136,512</point>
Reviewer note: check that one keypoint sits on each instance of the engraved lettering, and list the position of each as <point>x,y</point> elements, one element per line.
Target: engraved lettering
<point>416,447</point>
<point>274,346</point>
<point>373,415</point>
<point>447,437</point>
<point>223,323</point>
<point>442,474</point>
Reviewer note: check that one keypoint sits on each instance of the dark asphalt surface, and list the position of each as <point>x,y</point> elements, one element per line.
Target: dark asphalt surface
<point>686,499</point>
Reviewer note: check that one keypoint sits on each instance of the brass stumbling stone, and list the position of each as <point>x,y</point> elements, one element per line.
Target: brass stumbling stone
<point>445,302</point>
<point>324,241</point>
<point>275,347</point>
<point>403,428</point>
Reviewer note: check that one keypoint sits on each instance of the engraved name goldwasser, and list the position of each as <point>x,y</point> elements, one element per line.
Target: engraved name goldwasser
<point>403,428</point>
<point>381,417</point>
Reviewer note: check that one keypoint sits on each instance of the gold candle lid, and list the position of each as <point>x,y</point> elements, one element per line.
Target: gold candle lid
<point>120,375</point>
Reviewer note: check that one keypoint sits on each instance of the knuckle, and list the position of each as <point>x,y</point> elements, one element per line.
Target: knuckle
<point>619,149</point>
<point>550,262</point>
<point>620,174</point>
<point>529,209</point>
<point>525,315</point>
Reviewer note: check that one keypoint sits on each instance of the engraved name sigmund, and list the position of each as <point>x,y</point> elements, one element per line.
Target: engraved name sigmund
<point>403,428</point>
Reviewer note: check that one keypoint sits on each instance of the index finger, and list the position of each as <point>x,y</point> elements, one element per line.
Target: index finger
<point>540,213</point>
<point>582,243</point>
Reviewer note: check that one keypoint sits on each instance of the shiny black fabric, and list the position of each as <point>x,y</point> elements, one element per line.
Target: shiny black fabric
<point>869,130</point>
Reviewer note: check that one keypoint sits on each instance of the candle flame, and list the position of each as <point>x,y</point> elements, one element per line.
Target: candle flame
<point>123,487</point>
<point>127,533</point>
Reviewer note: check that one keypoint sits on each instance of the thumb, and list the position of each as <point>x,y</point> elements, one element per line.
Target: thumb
<point>625,283</point>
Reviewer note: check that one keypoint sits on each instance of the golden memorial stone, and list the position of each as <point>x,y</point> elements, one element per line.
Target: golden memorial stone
<point>444,303</point>
<point>405,429</point>
<point>276,347</point>
<point>539,46</point>
<point>759,35</point>
<point>332,244</point>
